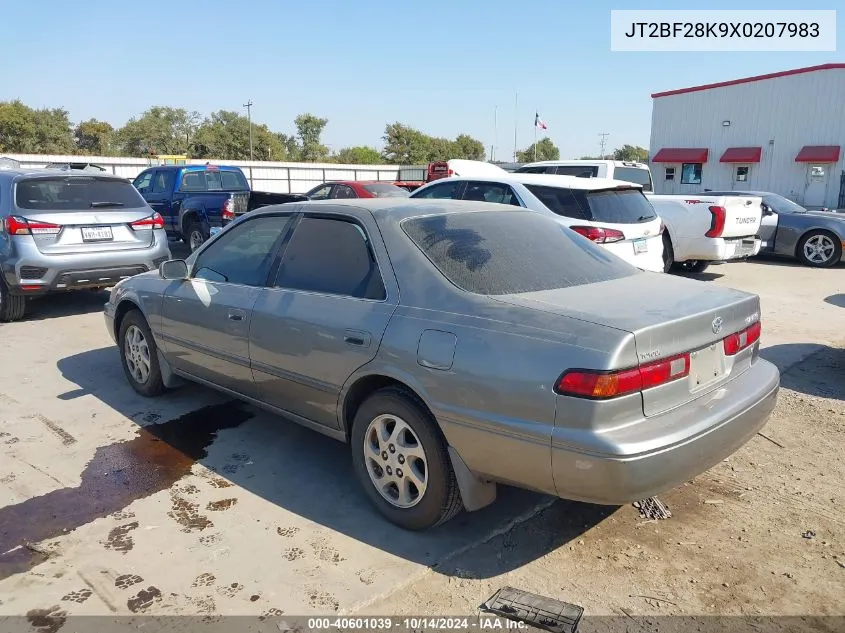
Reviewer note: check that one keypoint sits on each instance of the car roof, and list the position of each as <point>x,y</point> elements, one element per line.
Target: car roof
<point>36,172</point>
<point>393,210</point>
<point>549,180</point>
<point>196,167</point>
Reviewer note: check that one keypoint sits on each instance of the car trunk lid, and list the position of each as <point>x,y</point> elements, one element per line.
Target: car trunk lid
<point>668,316</point>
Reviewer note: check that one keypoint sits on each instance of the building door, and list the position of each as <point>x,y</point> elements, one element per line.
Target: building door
<point>740,177</point>
<point>815,193</point>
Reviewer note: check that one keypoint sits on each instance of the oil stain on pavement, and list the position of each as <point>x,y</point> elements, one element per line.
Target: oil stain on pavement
<point>120,473</point>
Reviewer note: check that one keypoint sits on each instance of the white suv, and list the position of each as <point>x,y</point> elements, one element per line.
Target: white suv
<point>628,171</point>
<point>611,213</point>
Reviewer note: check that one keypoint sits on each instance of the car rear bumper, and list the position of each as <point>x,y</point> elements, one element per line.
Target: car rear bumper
<point>31,272</point>
<point>730,416</point>
<point>720,249</point>
<point>650,260</point>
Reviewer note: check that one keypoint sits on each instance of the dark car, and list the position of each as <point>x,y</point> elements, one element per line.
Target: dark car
<point>198,200</point>
<point>345,189</point>
<point>815,238</point>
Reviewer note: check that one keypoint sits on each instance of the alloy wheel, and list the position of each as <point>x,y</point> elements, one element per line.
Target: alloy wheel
<point>396,461</point>
<point>137,354</point>
<point>819,249</point>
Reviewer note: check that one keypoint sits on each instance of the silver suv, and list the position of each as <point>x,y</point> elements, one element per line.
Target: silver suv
<point>65,230</point>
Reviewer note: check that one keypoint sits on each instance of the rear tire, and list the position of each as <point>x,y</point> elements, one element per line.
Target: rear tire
<point>668,253</point>
<point>392,431</point>
<point>12,307</point>
<point>138,355</point>
<point>692,266</point>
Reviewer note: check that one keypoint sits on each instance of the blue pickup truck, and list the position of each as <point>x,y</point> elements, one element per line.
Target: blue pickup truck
<point>195,200</point>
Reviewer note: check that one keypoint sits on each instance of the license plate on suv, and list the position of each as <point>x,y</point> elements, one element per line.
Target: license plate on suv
<point>640,246</point>
<point>96,234</point>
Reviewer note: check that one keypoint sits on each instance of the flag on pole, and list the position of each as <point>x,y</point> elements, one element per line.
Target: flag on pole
<point>538,122</point>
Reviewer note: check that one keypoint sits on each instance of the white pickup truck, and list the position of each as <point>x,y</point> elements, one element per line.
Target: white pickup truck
<point>701,230</point>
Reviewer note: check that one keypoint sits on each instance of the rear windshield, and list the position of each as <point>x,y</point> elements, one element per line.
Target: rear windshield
<point>627,206</point>
<point>213,180</point>
<point>387,191</point>
<point>77,193</point>
<point>484,252</point>
<point>635,175</point>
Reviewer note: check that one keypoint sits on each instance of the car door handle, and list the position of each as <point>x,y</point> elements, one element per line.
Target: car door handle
<point>357,338</point>
<point>236,316</point>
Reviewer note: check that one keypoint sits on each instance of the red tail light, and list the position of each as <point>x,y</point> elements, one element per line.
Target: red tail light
<point>16,225</point>
<point>450,173</point>
<point>744,339</point>
<point>598,235</point>
<point>717,221</point>
<point>228,209</point>
<point>601,385</point>
<point>155,221</point>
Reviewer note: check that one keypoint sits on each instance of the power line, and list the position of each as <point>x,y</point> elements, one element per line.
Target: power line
<point>603,141</point>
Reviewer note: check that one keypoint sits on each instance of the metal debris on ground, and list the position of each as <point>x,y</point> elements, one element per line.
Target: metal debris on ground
<point>808,534</point>
<point>538,611</point>
<point>652,508</point>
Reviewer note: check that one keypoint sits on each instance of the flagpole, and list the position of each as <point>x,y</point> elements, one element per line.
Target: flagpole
<point>495,133</point>
<point>535,134</point>
<point>515,122</point>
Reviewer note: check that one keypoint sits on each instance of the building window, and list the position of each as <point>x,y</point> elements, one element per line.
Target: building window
<point>691,174</point>
<point>742,174</point>
<point>670,173</point>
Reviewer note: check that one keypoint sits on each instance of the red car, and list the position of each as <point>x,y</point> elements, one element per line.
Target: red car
<point>343,189</point>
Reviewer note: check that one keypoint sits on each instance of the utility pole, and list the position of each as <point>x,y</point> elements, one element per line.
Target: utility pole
<point>603,141</point>
<point>248,106</point>
<point>495,134</point>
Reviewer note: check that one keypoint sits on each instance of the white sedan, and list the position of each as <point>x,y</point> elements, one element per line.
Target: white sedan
<point>611,213</point>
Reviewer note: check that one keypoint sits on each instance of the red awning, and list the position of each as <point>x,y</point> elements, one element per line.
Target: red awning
<point>818,154</point>
<point>742,155</point>
<point>681,155</point>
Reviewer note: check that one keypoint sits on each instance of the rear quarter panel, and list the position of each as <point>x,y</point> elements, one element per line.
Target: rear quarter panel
<point>495,403</point>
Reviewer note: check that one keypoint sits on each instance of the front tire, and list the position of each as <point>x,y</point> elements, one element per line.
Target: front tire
<point>138,355</point>
<point>12,307</point>
<point>401,460</point>
<point>819,249</point>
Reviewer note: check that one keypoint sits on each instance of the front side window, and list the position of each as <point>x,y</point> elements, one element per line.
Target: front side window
<point>331,256</point>
<point>320,193</point>
<point>558,200</point>
<point>444,191</point>
<point>143,182</point>
<point>475,252</point>
<point>77,193</point>
<point>691,174</point>
<point>244,254</point>
<point>490,192</point>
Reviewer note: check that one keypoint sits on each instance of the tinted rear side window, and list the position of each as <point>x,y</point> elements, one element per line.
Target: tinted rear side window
<point>233,180</point>
<point>558,200</point>
<point>76,193</point>
<point>484,252</point>
<point>633,174</point>
<point>627,206</point>
<point>579,171</point>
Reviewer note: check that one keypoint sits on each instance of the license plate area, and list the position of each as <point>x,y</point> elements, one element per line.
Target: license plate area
<point>97,234</point>
<point>640,246</point>
<point>707,365</point>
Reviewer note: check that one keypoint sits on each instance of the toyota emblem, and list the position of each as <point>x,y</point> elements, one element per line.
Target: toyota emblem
<point>717,325</point>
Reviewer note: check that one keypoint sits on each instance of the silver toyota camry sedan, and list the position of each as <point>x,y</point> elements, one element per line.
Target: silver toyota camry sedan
<point>456,345</point>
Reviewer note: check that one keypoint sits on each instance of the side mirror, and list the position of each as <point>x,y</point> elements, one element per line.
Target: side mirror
<point>173,269</point>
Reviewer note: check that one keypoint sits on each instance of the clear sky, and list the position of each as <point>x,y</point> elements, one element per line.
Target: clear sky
<point>442,67</point>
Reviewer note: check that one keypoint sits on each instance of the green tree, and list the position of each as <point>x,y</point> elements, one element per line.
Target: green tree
<point>467,147</point>
<point>361,155</point>
<point>160,130</point>
<point>95,138</point>
<point>546,150</point>
<point>404,145</point>
<point>53,133</point>
<point>225,135</point>
<point>18,128</point>
<point>631,153</point>
<point>288,141</point>
<point>309,129</point>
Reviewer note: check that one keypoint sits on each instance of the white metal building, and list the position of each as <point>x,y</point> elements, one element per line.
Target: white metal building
<point>783,132</point>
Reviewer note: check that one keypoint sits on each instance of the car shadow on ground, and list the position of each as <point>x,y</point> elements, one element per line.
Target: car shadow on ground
<point>65,304</point>
<point>310,475</point>
<point>822,368</point>
<point>836,300</point>
<point>702,276</point>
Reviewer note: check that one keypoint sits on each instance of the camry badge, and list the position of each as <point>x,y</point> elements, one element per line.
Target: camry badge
<point>717,325</point>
